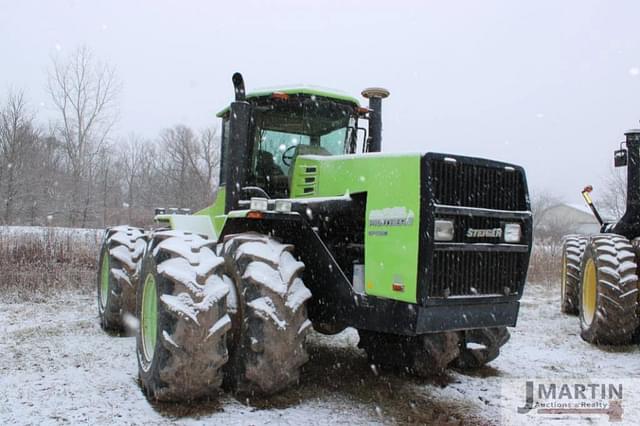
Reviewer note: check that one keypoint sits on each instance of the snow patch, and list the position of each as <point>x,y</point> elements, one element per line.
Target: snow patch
<point>264,307</point>
<point>298,294</point>
<point>169,340</point>
<point>475,346</point>
<point>223,324</point>
<point>260,272</point>
<point>181,305</point>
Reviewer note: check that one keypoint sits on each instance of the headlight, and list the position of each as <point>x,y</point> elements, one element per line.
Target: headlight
<point>283,206</point>
<point>443,230</point>
<point>259,204</point>
<point>512,233</point>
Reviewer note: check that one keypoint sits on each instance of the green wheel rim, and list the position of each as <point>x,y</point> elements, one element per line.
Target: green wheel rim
<point>149,326</point>
<point>104,280</point>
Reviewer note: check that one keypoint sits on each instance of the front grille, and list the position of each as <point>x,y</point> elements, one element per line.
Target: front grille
<point>457,183</point>
<point>468,273</point>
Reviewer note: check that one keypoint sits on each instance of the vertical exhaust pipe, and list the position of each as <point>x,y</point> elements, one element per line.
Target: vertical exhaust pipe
<point>375,96</point>
<point>238,145</point>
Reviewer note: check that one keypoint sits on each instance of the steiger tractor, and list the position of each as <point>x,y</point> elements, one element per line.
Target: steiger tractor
<point>424,254</point>
<point>599,278</point>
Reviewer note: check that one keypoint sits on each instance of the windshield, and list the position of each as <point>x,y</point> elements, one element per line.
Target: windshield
<point>311,128</point>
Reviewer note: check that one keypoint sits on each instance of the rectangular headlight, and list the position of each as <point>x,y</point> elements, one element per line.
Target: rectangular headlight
<point>512,233</point>
<point>283,206</point>
<point>443,230</point>
<point>259,204</point>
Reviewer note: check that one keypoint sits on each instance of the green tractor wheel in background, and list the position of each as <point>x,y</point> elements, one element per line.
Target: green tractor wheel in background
<point>104,281</point>
<point>149,317</point>
<point>117,277</point>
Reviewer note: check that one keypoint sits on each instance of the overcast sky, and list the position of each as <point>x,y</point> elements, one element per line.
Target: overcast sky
<point>549,85</point>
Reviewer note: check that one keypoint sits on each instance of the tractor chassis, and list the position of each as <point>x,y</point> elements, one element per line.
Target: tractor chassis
<point>338,304</point>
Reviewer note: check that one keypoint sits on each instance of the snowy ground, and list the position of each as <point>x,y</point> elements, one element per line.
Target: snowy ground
<point>57,366</point>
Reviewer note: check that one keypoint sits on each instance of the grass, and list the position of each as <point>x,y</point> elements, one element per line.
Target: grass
<point>37,263</point>
<point>544,265</point>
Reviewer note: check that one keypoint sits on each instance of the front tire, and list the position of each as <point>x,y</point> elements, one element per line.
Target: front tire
<point>424,356</point>
<point>481,346</point>
<point>270,324</point>
<point>609,291</point>
<point>118,274</point>
<point>181,342</point>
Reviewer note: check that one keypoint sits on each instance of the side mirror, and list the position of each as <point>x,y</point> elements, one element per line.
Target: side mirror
<point>620,158</point>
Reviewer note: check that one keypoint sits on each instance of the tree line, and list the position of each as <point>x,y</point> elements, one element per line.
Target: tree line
<point>76,173</point>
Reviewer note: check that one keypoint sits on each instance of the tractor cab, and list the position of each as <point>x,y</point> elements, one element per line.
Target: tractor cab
<point>284,124</point>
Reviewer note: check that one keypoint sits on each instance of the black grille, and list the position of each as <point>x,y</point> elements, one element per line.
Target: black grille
<point>456,183</point>
<point>468,273</point>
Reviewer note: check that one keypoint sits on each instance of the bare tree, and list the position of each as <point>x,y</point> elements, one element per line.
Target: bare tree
<point>84,92</point>
<point>207,162</point>
<point>135,152</point>
<point>541,202</point>
<point>614,195</point>
<point>17,141</point>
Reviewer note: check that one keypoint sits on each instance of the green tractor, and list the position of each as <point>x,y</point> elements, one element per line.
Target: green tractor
<point>425,255</point>
<point>599,278</point>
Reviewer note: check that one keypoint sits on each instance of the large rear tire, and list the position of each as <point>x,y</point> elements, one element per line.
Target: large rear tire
<point>181,343</point>
<point>270,324</point>
<point>424,356</point>
<point>118,274</point>
<point>609,291</point>
<point>572,251</point>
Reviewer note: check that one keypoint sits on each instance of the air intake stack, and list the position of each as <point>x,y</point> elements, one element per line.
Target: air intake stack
<point>375,96</point>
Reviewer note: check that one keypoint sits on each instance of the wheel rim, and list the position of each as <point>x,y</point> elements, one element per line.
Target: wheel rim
<point>104,280</point>
<point>149,316</point>
<point>589,284</point>
<point>563,279</point>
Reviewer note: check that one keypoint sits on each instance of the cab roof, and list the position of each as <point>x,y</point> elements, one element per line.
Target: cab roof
<point>300,89</point>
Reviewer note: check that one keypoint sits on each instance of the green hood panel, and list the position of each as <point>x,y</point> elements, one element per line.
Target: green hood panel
<point>392,184</point>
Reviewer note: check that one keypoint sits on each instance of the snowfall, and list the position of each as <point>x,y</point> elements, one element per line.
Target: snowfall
<point>58,366</point>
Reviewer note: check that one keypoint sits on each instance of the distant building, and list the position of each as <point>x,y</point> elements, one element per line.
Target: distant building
<point>563,219</point>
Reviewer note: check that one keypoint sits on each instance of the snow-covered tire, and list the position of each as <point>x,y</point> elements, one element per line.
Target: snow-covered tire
<point>609,290</point>
<point>182,348</point>
<point>425,355</point>
<point>481,346</point>
<point>572,250</point>
<point>118,271</point>
<point>269,316</point>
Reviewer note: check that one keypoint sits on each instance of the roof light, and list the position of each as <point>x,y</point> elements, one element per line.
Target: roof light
<point>283,206</point>
<point>259,204</point>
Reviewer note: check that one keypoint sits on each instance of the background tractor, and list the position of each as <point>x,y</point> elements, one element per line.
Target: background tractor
<point>424,254</point>
<point>599,278</point>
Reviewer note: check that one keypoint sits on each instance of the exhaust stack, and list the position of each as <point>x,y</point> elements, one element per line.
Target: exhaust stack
<point>375,96</point>
<point>238,147</point>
